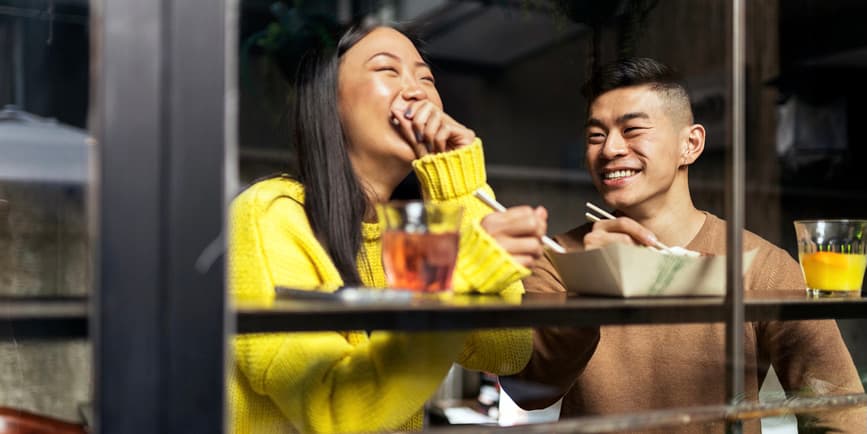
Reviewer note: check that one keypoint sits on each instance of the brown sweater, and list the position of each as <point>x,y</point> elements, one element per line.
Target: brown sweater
<point>644,367</point>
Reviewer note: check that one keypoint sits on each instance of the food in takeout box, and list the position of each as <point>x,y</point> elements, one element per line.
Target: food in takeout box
<point>623,270</point>
<point>678,251</point>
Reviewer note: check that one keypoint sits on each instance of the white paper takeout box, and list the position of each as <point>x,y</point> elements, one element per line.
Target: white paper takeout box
<point>623,270</point>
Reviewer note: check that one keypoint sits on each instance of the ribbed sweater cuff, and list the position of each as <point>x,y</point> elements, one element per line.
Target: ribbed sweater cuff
<point>452,174</point>
<point>484,266</point>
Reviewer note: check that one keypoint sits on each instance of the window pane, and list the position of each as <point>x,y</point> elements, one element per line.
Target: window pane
<point>513,72</point>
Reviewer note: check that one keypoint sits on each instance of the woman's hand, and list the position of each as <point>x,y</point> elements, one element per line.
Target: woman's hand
<point>429,129</point>
<point>519,231</point>
<point>620,230</point>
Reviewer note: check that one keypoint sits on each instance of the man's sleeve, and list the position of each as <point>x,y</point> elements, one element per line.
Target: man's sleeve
<point>560,354</point>
<point>810,357</point>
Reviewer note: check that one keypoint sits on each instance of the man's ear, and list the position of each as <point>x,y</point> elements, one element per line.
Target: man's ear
<point>693,144</point>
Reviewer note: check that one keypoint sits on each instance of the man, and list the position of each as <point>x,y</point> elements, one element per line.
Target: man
<point>641,140</point>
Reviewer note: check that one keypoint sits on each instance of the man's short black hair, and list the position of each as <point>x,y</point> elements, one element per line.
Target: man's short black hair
<point>637,71</point>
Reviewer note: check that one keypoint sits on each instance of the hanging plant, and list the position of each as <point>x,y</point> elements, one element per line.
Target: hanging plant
<point>290,35</point>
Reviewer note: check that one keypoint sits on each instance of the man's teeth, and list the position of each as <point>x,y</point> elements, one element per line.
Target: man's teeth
<point>619,174</point>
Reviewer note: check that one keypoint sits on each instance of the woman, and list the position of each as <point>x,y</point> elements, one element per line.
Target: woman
<point>366,115</point>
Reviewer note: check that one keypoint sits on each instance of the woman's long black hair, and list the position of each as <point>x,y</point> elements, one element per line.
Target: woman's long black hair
<point>334,198</point>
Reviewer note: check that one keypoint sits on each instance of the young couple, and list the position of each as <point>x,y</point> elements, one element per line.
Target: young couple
<point>367,114</point>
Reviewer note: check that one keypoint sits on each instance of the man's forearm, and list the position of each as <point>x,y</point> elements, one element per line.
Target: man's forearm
<point>560,354</point>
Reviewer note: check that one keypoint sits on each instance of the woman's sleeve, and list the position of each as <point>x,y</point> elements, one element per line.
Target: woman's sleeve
<point>324,381</point>
<point>482,265</point>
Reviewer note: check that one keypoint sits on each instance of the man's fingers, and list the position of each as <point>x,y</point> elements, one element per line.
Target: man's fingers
<point>598,239</point>
<point>626,225</point>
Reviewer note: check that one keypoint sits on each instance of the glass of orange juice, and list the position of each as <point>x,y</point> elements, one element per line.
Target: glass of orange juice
<point>420,244</point>
<point>833,256</point>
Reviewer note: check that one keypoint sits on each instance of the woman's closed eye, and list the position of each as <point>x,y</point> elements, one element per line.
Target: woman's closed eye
<point>387,69</point>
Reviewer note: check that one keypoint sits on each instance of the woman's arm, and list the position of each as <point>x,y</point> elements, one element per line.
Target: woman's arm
<point>483,265</point>
<point>325,381</point>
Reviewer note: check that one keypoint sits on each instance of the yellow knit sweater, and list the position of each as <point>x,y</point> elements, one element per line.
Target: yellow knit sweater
<point>351,381</point>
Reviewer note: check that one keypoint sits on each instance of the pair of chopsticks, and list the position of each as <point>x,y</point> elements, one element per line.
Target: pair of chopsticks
<point>592,217</point>
<point>496,206</point>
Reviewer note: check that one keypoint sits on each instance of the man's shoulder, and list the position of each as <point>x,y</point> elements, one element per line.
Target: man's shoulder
<point>750,240</point>
<point>771,268</point>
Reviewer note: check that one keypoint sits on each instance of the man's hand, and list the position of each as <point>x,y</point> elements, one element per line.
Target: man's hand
<point>620,230</point>
<point>519,231</point>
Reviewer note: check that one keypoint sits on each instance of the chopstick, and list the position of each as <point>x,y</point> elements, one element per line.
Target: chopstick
<point>496,206</point>
<point>608,216</point>
<point>592,217</point>
<point>601,211</point>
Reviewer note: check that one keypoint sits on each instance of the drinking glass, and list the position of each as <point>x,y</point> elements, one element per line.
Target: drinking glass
<point>833,255</point>
<point>420,244</point>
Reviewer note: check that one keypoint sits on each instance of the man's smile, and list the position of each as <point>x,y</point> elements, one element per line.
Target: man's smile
<point>618,174</point>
